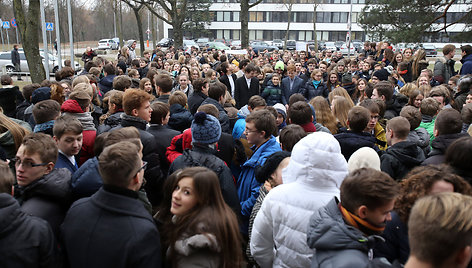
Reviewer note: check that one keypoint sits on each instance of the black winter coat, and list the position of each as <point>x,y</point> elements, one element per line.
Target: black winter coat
<point>222,117</point>
<point>309,90</point>
<point>48,197</point>
<point>400,158</point>
<point>396,246</point>
<point>10,98</point>
<point>180,118</point>
<point>272,95</point>
<point>25,241</point>
<point>439,146</point>
<point>195,100</point>
<point>394,106</point>
<point>204,156</point>
<point>162,137</point>
<point>112,121</point>
<point>114,230</point>
<point>153,174</point>
<point>106,83</point>
<point>351,142</point>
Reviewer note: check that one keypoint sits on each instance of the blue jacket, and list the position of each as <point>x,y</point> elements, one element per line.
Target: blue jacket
<point>106,83</point>
<point>286,92</point>
<point>63,162</point>
<point>466,65</point>
<point>87,180</point>
<point>248,186</point>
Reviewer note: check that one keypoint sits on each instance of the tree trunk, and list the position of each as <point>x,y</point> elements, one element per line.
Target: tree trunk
<point>288,24</point>
<point>177,29</point>
<point>140,28</point>
<point>29,28</point>
<point>153,32</point>
<point>244,17</point>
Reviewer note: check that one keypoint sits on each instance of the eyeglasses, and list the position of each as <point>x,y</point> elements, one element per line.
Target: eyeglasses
<point>26,163</point>
<point>247,131</point>
<point>143,167</point>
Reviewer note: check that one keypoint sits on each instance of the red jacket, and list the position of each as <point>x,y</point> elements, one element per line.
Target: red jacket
<point>178,144</point>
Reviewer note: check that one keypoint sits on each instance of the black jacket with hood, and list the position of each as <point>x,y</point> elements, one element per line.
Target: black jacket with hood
<point>440,145</point>
<point>400,158</point>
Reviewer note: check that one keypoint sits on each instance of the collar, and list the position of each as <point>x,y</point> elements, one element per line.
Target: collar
<point>309,127</point>
<point>43,126</point>
<point>120,191</point>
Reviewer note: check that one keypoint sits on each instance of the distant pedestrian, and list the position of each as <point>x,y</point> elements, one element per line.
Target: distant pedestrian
<point>15,60</point>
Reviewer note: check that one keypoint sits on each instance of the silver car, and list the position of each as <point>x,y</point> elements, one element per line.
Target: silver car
<point>107,44</point>
<point>5,62</point>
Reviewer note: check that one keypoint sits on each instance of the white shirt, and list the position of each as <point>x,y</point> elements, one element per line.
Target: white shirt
<point>248,81</point>
<point>231,82</point>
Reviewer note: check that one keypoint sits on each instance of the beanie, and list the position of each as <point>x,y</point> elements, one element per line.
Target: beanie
<point>270,165</point>
<point>40,94</point>
<point>280,108</point>
<point>279,65</point>
<point>381,74</point>
<point>364,157</point>
<point>206,128</point>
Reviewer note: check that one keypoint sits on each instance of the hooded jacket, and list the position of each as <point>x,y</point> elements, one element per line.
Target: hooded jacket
<point>400,158</point>
<point>222,116</point>
<point>248,186</point>
<point>352,141</point>
<point>48,197</point>
<point>394,106</point>
<point>180,118</point>
<point>25,241</point>
<point>311,179</point>
<point>10,98</point>
<point>111,122</point>
<point>439,147</point>
<point>421,137</point>
<point>337,244</point>
<point>106,83</point>
<point>466,65</point>
<point>199,250</point>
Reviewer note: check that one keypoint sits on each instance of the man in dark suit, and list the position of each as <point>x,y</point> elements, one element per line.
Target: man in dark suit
<point>228,79</point>
<point>246,86</point>
<point>291,84</point>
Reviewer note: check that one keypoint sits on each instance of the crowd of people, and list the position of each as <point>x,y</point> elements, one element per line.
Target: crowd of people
<point>198,158</point>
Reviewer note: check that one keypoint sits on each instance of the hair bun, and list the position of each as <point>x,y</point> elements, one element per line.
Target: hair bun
<point>200,118</point>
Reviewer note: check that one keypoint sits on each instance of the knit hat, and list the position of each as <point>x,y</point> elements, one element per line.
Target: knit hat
<point>364,157</point>
<point>279,65</point>
<point>206,128</point>
<point>280,108</point>
<point>346,79</point>
<point>40,94</point>
<point>382,74</point>
<point>270,165</point>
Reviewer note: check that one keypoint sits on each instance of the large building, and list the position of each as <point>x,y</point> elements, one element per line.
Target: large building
<point>268,20</point>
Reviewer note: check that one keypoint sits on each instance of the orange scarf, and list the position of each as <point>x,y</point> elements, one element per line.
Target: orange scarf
<point>354,221</point>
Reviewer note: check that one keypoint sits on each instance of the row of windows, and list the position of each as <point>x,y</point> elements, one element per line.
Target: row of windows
<point>302,17</point>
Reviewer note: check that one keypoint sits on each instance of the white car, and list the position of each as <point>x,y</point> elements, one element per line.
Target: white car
<point>345,51</point>
<point>331,46</point>
<point>5,62</point>
<point>107,44</point>
<point>188,44</point>
<point>236,44</point>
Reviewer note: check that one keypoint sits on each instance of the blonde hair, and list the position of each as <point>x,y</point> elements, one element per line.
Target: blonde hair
<point>439,226</point>
<point>18,132</point>
<point>341,92</point>
<point>323,113</point>
<point>341,107</point>
<point>408,88</point>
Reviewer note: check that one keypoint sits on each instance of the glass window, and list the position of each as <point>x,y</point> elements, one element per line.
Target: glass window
<point>327,17</point>
<point>260,35</point>
<point>343,17</point>
<point>319,16</point>
<point>252,35</point>
<point>227,16</point>
<point>252,16</point>
<point>335,17</point>
<point>236,16</point>
<point>219,34</point>
<point>219,16</point>
<point>268,16</point>
<point>301,35</point>
<point>309,35</point>
<point>292,35</point>
<point>354,16</point>
<point>227,34</point>
<point>236,34</point>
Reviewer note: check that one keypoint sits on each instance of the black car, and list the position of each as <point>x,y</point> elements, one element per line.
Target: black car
<point>291,45</point>
<point>166,42</point>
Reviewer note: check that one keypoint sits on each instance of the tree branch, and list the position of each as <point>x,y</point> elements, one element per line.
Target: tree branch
<point>450,24</point>
<point>254,4</point>
<point>157,14</point>
<point>444,14</point>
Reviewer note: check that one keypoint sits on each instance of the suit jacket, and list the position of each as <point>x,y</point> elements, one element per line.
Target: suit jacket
<point>286,92</point>
<point>225,80</point>
<point>242,93</point>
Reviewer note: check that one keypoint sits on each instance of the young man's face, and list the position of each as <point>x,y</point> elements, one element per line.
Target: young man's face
<point>69,143</point>
<point>253,136</point>
<point>380,215</point>
<point>375,94</point>
<point>25,174</point>
<point>323,68</point>
<point>374,118</point>
<point>291,74</point>
<point>144,112</point>
<point>280,119</point>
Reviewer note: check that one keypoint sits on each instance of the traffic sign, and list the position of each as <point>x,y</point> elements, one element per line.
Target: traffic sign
<point>13,22</point>
<point>6,25</point>
<point>49,26</point>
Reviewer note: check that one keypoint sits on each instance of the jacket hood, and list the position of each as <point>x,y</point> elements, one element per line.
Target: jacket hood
<point>407,152</point>
<point>327,231</point>
<point>55,185</point>
<point>9,210</point>
<point>466,58</point>
<point>114,119</point>
<point>420,136</point>
<point>107,81</point>
<point>442,142</point>
<point>396,103</point>
<point>71,106</point>
<point>316,161</point>
<point>196,243</point>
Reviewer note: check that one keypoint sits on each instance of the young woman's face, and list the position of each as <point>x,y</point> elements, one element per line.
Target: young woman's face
<point>195,74</point>
<point>423,80</point>
<point>407,53</point>
<point>468,99</point>
<point>213,76</point>
<point>418,100</point>
<point>183,197</point>
<point>333,78</point>
<point>184,71</point>
<point>399,58</point>
<point>148,87</point>
<point>166,66</point>
<point>280,119</point>
<point>176,67</point>
<point>318,76</point>
<point>361,85</point>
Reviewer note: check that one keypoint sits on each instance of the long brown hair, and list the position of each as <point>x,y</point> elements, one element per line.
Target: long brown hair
<point>341,108</point>
<point>18,132</point>
<point>415,65</point>
<point>323,113</point>
<point>211,215</point>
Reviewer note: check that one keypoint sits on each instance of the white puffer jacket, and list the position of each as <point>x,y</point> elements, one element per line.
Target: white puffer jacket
<point>311,180</point>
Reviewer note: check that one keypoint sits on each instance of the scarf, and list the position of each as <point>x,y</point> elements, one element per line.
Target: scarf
<point>316,84</point>
<point>43,126</point>
<point>85,119</point>
<point>359,223</point>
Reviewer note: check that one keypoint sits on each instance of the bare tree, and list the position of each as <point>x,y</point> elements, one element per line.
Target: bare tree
<point>29,27</point>
<point>289,6</point>
<point>136,7</point>
<point>244,17</point>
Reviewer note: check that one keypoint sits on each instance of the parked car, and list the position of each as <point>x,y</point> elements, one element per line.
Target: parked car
<point>221,40</point>
<point>261,46</point>
<point>217,45</point>
<point>338,44</point>
<point>331,46</point>
<point>5,62</point>
<point>107,44</point>
<point>358,45</point>
<point>201,42</point>
<point>166,42</point>
<point>278,43</point>
<point>430,50</point>
<point>400,47</point>
<point>236,44</point>
<point>291,45</point>
<point>345,51</point>
<point>188,44</point>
